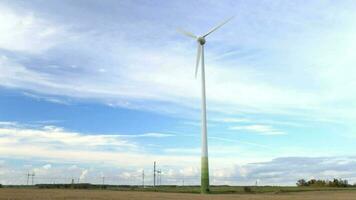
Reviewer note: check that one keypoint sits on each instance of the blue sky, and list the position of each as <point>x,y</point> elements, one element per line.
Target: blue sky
<point>91,89</point>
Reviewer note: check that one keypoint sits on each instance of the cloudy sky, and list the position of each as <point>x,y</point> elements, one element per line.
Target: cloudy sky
<point>92,89</point>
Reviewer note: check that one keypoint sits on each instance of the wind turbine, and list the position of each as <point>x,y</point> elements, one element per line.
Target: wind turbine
<point>204,138</point>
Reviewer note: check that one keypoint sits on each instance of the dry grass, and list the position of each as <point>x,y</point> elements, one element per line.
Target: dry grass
<point>68,194</point>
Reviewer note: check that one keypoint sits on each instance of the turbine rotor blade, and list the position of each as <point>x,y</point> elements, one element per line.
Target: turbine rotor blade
<point>189,34</point>
<point>198,60</point>
<point>218,26</point>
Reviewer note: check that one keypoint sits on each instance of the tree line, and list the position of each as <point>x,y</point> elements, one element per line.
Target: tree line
<point>323,183</point>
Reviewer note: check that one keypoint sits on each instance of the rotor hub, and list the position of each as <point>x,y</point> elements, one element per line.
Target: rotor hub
<point>201,40</point>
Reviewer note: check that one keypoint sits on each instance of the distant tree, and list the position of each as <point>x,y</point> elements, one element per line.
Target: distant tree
<point>339,183</point>
<point>311,182</point>
<point>302,182</point>
<point>323,183</point>
<point>343,183</point>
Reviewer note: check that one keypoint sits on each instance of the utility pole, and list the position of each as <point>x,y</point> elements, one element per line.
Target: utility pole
<point>143,178</point>
<point>33,175</point>
<point>28,177</point>
<point>154,174</point>
<point>103,180</point>
<point>159,177</point>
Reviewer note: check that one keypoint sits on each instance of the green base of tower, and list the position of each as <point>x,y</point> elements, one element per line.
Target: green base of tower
<point>204,175</point>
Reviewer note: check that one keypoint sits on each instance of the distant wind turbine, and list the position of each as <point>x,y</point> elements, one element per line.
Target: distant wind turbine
<point>204,151</point>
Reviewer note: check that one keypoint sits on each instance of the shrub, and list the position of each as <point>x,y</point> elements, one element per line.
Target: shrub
<point>302,182</point>
<point>247,189</point>
<point>323,183</point>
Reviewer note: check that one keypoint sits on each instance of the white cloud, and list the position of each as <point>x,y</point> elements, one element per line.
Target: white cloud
<point>231,120</point>
<point>58,145</point>
<point>258,128</point>
<point>153,135</point>
<point>183,150</point>
<point>47,98</point>
<point>55,145</point>
<point>15,75</point>
<point>47,166</point>
<point>23,31</point>
<point>51,134</point>
<point>227,140</point>
<point>2,123</point>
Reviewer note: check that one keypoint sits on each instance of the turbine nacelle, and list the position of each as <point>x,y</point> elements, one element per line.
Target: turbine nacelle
<point>201,40</point>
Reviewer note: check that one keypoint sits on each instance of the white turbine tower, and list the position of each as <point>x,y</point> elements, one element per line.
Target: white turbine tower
<point>204,138</point>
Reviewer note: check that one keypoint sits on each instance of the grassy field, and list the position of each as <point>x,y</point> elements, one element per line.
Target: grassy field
<point>95,194</point>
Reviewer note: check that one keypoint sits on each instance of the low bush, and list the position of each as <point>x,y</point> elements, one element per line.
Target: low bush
<point>323,183</point>
<point>247,189</point>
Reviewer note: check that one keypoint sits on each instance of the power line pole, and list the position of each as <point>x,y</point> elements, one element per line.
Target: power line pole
<point>28,177</point>
<point>154,174</point>
<point>159,177</point>
<point>143,178</point>
<point>33,175</point>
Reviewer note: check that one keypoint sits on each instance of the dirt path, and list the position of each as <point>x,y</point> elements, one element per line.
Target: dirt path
<point>63,194</point>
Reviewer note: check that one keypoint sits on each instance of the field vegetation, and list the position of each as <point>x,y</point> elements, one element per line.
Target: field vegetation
<point>324,183</point>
